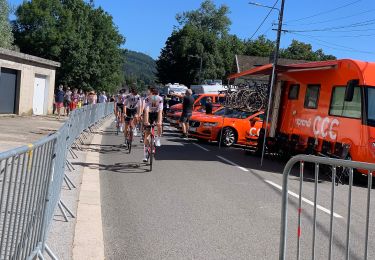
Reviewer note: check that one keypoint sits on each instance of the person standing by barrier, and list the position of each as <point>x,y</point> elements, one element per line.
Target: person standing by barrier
<point>81,98</point>
<point>103,98</point>
<point>59,100</point>
<point>67,100</point>
<point>187,111</point>
<point>75,99</point>
<point>91,98</point>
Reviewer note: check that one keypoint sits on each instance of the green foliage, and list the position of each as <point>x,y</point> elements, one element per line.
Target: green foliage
<point>204,38</point>
<point>303,51</point>
<point>203,34</point>
<point>207,18</point>
<point>261,46</point>
<point>139,68</point>
<point>73,32</point>
<point>6,35</point>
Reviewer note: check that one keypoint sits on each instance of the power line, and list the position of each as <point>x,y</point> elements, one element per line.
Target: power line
<point>342,36</point>
<point>358,24</point>
<point>325,12</point>
<point>265,18</point>
<point>341,47</point>
<point>332,20</point>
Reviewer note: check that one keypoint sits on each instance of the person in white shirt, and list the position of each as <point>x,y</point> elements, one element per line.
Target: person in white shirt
<point>103,98</point>
<point>132,109</point>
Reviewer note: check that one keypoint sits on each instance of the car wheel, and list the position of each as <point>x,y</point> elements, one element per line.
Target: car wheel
<point>229,137</point>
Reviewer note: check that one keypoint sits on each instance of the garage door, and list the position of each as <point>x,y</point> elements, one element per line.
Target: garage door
<point>8,87</point>
<point>40,94</point>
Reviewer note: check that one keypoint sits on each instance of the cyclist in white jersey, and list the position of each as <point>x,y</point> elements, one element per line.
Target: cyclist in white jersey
<point>131,110</point>
<point>153,113</point>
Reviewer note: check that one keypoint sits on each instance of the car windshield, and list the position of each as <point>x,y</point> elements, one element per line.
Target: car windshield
<point>232,113</point>
<point>370,109</point>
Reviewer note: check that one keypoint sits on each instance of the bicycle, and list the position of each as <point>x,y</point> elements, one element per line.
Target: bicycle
<point>150,148</point>
<point>117,124</point>
<point>129,135</point>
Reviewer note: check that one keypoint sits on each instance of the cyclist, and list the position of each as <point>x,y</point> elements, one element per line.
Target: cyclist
<point>120,107</point>
<point>153,113</point>
<point>131,110</point>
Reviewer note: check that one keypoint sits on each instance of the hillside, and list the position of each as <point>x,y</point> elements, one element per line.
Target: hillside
<point>139,67</point>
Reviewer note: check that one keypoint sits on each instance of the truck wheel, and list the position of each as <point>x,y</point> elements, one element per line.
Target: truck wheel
<point>229,137</point>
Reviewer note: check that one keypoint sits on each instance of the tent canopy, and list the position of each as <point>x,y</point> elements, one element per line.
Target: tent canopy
<point>267,69</point>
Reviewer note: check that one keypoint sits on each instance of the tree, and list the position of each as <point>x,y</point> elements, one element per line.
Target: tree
<point>82,38</point>
<point>207,18</point>
<point>262,47</point>
<point>6,35</point>
<point>202,37</point>
<point>303,51</point>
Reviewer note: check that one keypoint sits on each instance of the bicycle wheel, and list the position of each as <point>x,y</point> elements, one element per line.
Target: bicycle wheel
<point>130,139</point>
<point>151,152</point>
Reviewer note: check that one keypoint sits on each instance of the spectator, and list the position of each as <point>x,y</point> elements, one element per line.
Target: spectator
<point>59,100</point>
<point>187,111</point>
<point>67,100</point>
<point>81,98</point>
<point>209,106</point>
<point>75,99</point>
<point>103,98</point>
<point>91,97</point>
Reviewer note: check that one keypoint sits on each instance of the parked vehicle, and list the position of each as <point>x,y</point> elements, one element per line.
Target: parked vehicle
<point>174,119</point>
<point>208,87</point>
<point>234,126</point>
<point>200,102</point>
<point>325,108</point>
<point>174,88</point>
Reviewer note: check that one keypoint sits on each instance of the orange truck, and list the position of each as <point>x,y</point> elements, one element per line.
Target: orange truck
<point>325,108</point>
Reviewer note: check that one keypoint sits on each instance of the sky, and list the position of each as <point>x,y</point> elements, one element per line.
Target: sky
<point>344,28</point>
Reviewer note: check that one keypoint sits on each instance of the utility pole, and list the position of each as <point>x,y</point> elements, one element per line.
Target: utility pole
<point>200,70</point>
<point>273,77</point>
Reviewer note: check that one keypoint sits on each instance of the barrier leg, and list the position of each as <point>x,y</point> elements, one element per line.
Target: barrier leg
<point>73,154</point>
<point>67,183</point>
<point>70,165</point>
<point>64,208</point>
<point>70,181</point>
<point>50,253</point>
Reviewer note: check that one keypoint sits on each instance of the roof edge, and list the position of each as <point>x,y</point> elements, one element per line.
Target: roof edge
<point>29,58</point>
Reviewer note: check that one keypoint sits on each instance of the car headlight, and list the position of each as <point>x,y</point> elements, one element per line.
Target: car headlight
<point>208,124</point>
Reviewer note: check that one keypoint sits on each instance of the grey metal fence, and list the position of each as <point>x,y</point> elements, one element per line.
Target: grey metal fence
<point>334,164</point>
<point>31,178</point>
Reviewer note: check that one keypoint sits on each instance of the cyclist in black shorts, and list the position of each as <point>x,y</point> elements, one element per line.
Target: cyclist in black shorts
<point>153,114</point>
<point>132,110</point>
<point>120,108</point>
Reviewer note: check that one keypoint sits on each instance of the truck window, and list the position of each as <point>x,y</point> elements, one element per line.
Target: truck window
<point>370,109</point>
<point>339,107</point>
<point>293,92</point>
<point>312,96</point>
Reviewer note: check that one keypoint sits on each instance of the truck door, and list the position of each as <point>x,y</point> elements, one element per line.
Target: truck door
<point>289,107</point>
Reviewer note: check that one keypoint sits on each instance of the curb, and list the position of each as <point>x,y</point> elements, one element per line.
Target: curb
<point>88,239</point>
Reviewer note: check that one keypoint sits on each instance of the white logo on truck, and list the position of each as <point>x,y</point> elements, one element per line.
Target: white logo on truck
<point>321,126</point>
<point>324,127</point>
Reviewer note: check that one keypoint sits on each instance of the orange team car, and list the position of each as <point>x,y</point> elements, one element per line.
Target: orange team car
<point>237,127</point>
<point>199,103</point>
<point>325,108</point>
<point>174,119</point>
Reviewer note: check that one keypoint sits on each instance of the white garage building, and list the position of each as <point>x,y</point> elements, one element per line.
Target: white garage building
<point>26,83</point>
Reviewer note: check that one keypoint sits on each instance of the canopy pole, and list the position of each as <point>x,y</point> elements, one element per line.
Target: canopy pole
<point>273,77</point>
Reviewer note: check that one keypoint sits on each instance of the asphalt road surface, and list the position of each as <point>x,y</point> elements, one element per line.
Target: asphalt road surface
<point>202,202</point>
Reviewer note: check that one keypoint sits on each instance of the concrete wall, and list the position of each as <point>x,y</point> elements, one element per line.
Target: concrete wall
<point>28,68</point>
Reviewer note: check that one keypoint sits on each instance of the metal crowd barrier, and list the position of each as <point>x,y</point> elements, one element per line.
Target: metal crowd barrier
<point>31,178</point>
<point>334,164</point>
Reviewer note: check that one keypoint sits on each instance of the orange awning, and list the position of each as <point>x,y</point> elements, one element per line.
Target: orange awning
<point>267,69</point>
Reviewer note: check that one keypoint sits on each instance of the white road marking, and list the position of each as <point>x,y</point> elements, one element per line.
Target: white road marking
<point>232,163</point>
<point>304,199</point>
<point>203,148</point>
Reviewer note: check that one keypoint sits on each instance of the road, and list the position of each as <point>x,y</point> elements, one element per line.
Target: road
<point>202,202</point>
